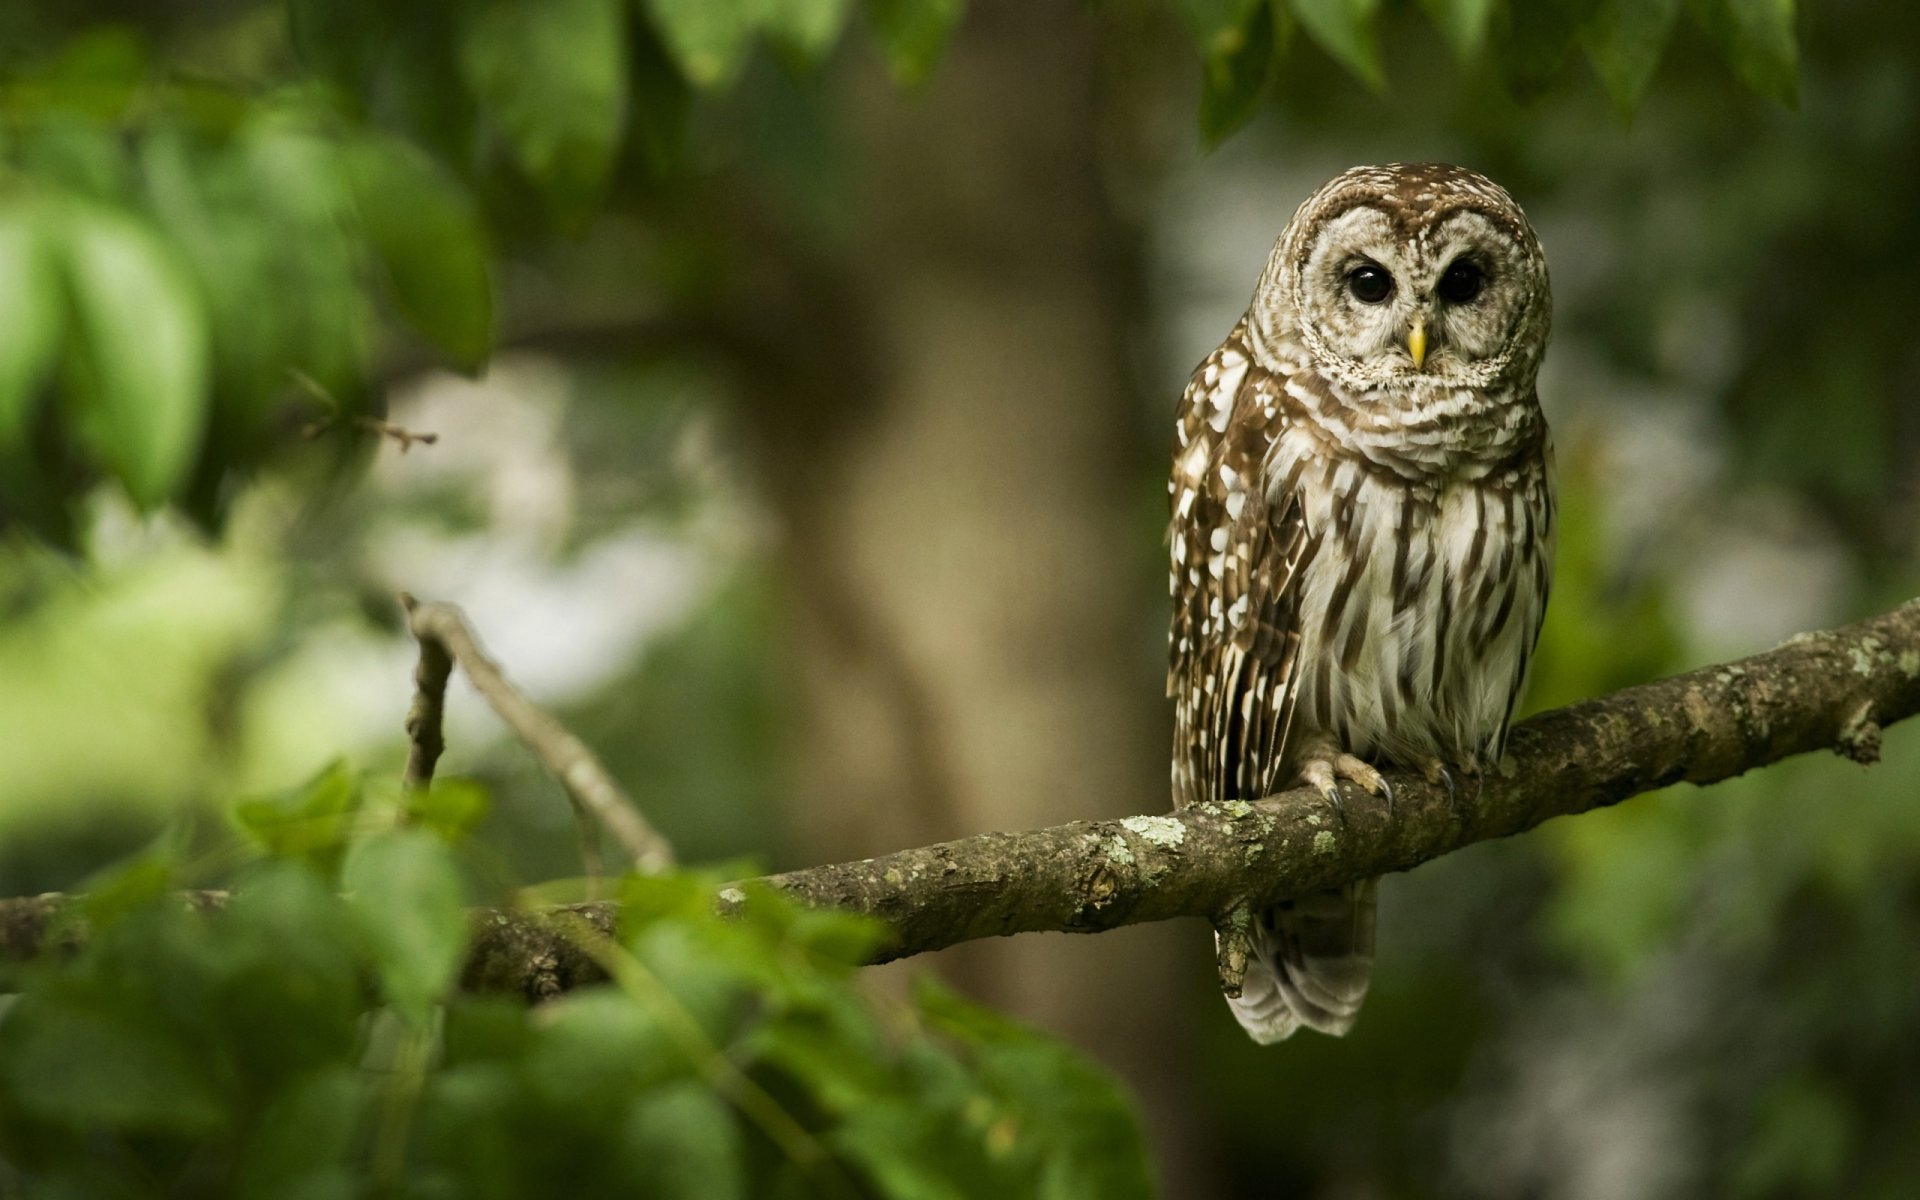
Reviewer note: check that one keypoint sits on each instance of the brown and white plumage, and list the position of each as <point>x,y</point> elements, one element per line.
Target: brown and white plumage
<point>1362,530</point>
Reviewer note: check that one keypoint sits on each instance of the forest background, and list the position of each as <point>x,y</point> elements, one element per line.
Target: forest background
<point>800,375</point>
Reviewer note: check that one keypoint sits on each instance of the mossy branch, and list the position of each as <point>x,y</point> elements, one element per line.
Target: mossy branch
<point>1823,691</point>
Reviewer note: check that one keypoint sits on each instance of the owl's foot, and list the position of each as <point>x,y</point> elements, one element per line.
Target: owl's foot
<point>1434,771</point>
<point>1438,774</point>
<point>1323,772</point>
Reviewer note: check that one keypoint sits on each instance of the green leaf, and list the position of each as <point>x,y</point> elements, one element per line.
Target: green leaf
<point>840,1078</point>
<point>342,39</point>
<point>428,237</point>
<point>712,969</point>
<point>452,807</point>
<point>552,75</point>
<point>306,1136</point>
<point>1063,1116</point>
<point>64,1058</point>
<point>1757,36</point>
<point>1218,26</point>
<point>127,886</point>
<point>1072,1118</point>
<point>291,985</point>
<point>482,1028</point>
<point>97,74</point>
<point>681,1142</point>
<point>596,1047</point>
<point>909,1152</point>
<point>708,41</point>
<point>288,197</point>
<point>1344,29</point>
<point>141,375</point>
<point>1624,40</point>
<point>409,897</point>
<point>662,100</point>
<point>310,822</point>
<point>1462,22</point>
<point>1238,73</point>
<point>808,27</point>
<point>912,34</point>
<point>836,939</point>
<point>1532,42</point>
<point>31,307</point>
<point>645,899</point>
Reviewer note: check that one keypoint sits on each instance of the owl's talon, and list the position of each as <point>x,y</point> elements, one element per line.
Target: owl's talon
<point>1318,773</point>
<point>1435,772</point>
<point>1323,774</point>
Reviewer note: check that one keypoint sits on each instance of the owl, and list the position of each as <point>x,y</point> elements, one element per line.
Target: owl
<point>1362,532</point>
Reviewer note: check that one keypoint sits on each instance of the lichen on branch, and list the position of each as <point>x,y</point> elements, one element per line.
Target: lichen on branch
<point>1822,691</point>
<point>1834,691</point>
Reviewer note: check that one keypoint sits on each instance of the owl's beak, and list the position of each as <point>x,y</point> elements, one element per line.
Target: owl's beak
<point>1417,342</point>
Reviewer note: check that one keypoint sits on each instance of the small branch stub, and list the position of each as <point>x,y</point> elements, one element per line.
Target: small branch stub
<point>427,716</point>
<point>1232,945</point>
<point>1860,736</point>
<point>400,435</point>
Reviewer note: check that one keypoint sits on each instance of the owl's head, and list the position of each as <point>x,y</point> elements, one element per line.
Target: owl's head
<point>1411,272</point>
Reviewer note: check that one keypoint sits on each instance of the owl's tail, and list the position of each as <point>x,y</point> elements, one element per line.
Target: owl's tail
<point>1310,964</point>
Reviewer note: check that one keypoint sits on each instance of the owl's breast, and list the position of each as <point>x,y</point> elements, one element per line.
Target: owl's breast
<point>1419,607</point>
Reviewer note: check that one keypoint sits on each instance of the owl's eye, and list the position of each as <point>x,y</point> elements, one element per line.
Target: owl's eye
<point>1461,283</point>
<point>1370,284</point>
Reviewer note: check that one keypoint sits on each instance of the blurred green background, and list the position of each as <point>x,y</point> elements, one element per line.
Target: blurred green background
<point>802,375</point>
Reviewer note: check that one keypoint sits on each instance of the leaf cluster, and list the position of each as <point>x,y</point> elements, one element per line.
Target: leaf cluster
<point>181,265</point>
<point>195,265</point>
<point>1243,44</point>
<point>306,1039</point>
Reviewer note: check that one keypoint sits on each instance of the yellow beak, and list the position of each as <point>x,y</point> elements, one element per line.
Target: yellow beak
<point>1417,343</point>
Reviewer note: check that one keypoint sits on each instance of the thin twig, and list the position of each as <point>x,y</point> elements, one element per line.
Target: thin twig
<point>406,438</point>
<point>584,777</point>
<point>591,859</point>
<point>336,417</point>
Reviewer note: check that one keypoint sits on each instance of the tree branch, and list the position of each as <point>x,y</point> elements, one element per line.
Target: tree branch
<point>1833,691</point>
<point>446,638</point>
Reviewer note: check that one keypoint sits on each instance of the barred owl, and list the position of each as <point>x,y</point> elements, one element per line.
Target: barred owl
<point>1362,532</point>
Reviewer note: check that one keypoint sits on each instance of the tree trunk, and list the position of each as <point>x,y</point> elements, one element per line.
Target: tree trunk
<point>970,529</point>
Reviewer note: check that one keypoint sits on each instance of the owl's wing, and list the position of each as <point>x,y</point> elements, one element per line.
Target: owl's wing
<point>1237,548</point>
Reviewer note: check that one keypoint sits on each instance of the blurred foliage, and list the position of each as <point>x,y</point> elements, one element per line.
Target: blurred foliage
<point>190,254</point>
<point>184,1052</point>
